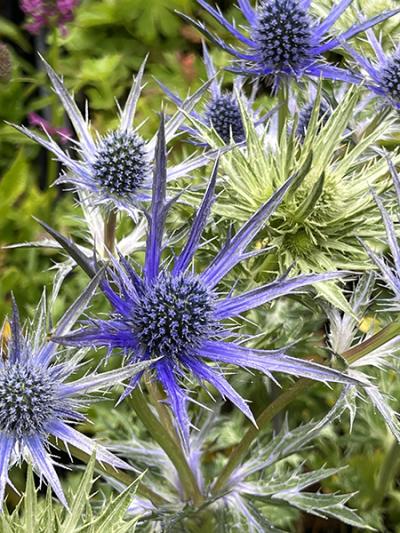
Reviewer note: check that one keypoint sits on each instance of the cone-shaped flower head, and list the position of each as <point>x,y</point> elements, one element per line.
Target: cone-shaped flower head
<point>221,114</point>
<point>284,39</point>
<point>114,170</point>
<point>181,317</point>
<point>38,399</point>
<point>382,75</point>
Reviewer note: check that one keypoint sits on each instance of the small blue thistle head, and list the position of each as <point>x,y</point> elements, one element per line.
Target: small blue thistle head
<point>223,114</point>
<point>121,164</point>
<point>28,399</point>
<point>390,78</point>
<point>283,34</point>
<point>38,398</point>
<point>284,40</point>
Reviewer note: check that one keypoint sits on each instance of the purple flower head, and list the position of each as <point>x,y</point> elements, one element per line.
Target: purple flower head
<point>38,399</point>
<point>284,39</point>
<point>382,76</point>
<point>222,111</point>
<point>181,317</point>
<point>47,13</point>
<point>114,170</point>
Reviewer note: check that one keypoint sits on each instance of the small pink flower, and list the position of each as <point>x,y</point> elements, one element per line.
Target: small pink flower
<point>47,13</point>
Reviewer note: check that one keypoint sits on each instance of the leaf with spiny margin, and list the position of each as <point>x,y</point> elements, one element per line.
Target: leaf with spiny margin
<point>71,248</point>
<point>30,501</point>
<point>306,208</point>
<point>115,512</point>
<point>81,497</point>
<point>325,506</point>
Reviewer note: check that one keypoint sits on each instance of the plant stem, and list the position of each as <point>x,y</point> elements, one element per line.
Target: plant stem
<point>283,110</point>
<point>110,226</point>
<point>157,397</point>
<point>162,436</point>
<point>387,473</point>
<point>126,478</point>
<point>352,355</point>
<point>265,417</point>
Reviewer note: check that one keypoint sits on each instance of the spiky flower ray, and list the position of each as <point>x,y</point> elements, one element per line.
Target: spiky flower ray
<point>177,315</point>
<point>283,39</point>
<point>317,227</point>
<point>114,171</point>
<point>39,400</point>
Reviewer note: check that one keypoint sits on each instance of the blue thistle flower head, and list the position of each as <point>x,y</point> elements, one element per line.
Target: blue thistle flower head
<point>180,317</point>
<point>284,39</point>
<point>38,399</point>
<point>324,112</point>
<point>114,170</point>
<point>382,74</point>
<point>222,112</point>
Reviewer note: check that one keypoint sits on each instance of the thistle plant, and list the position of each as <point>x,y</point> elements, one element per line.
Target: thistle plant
<point>38,401</point>
<point>257,271</point>
<point>284,40</point>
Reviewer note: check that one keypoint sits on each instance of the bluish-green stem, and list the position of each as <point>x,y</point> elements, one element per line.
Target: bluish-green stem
<point>283,109</point>
<point>376,341</point>
<point>387,473</point>
<point>174,451</point>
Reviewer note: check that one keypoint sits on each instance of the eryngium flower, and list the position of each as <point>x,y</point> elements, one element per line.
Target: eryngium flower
<point>221,114</point>
<point>283,39</point>
<point>382,75</point>
<point>115,169</point>
<point>181,317</point>
<point>38,398</point>
<point>47,13</point>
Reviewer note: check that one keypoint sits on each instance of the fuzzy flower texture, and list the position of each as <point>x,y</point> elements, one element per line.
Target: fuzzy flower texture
<point>181,318</point>
<point>284,39</point>
<point>46,13</point>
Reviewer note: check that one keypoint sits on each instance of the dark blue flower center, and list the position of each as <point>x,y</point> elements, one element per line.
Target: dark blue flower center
<point>306,113</point>
<point>27,400</point>
<point>174,316</point>
<point>121,166</point>
<point>390,76</point>
<point>283,34</point>
<point>223,114</point>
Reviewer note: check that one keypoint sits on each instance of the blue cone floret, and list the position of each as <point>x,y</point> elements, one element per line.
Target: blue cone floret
<point>224,115</point>
<point>28,399</point>
<point>40,399</point>
<point>390,75</point>
<point>284,39</point>
<point>180,317</point>
<point>174,315</point>
<point>121,165</point>
<point>283,34</point>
